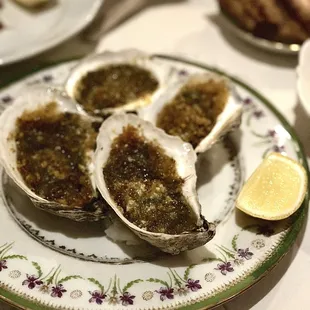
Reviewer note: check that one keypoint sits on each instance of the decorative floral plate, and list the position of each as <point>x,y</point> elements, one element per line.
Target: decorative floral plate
<point>59,264</point>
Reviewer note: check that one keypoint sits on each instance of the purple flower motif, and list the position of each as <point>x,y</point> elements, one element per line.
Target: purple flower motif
<point>165,292</point>
<point>183,72</point>
<point>278,149</point>
<point>224,268</point>
<point>127,299</point>
<point>32,281</point>
<point>58,290</point>
<point>97,296</point>
<point>258,114</point>
<point>245,253</point>
<point>3,265</point>
<point>265,230</point>
<point>247,101</point>
<point>193,285</point>
<point>6,99</point>
<point>47,78</point>
<point>271,133</point>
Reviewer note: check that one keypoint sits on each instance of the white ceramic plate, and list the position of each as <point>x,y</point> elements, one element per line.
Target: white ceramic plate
<point>303,76</point>
<point>54,263</point>
<point>27,33</point>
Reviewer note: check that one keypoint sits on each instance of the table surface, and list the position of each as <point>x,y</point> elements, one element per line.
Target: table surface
<point>195,29</point>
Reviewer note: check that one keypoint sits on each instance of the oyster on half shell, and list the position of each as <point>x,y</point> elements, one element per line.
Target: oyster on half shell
<point>149,180</point>
<point>199,108</point>
<point>42,163</point>
<point>117,81</point>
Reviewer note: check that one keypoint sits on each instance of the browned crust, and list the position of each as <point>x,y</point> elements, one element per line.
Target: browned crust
<point>268,19</point>
<point>300,10</point>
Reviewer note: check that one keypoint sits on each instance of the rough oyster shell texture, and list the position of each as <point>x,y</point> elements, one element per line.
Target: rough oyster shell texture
<point>226,121</point>
<point>185,159</point>
<point>33,99</point>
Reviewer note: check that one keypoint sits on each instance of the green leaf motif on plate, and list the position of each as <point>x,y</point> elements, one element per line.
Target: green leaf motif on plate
<point>65,279</point>
<point>187,271</point>
<point>130,284</point>
<point>38,268</point>
<point>96,282</point>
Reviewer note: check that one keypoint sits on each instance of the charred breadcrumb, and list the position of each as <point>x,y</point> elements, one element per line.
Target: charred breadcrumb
<point>144,183</point>
<point>51,155</point>
<point>114,86</point>
<point>192,113</point>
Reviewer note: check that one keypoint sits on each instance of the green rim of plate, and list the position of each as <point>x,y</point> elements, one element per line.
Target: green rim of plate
<point>260,272</point>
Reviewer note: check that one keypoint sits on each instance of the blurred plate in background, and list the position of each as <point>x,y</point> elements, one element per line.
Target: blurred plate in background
<point>303,79</point>
<point>29,32</point>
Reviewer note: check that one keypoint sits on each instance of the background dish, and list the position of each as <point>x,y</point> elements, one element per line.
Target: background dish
<point>270,46</point>
<point>26,33</point>
<point>303,76</point>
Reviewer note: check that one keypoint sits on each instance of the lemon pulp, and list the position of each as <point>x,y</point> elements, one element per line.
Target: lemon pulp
<point>275,190</point>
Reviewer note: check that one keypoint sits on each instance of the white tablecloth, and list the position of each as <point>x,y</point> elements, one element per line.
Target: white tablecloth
<point>194,29</point>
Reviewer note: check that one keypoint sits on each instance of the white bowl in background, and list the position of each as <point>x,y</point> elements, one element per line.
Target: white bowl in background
<point>303,76</point>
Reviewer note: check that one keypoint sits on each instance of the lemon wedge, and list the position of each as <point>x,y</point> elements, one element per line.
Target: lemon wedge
<point>275,190</point>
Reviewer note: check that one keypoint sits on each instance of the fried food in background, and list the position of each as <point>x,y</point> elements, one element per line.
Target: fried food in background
<point>301,10</point>
<point>284,21</point>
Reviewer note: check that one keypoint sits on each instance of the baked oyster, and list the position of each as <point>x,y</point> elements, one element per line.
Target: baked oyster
<point>47,145</point>
<point>116,81</point>
<point>149,180</point>
<point>199,108</point>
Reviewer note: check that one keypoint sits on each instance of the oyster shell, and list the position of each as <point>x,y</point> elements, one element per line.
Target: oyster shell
<point>32,100</point>
<point>228,119</point>
<point>132,57</point>
<point>184,158</point>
